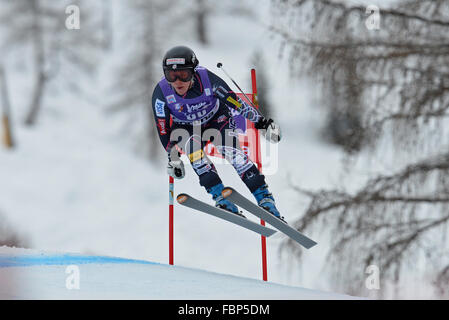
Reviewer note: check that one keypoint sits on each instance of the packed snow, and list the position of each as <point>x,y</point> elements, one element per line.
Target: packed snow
<point>32,274</point>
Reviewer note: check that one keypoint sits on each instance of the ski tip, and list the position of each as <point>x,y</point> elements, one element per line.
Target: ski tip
<point>313,244</point>
<point>181,198</point>
<point>226,192</point>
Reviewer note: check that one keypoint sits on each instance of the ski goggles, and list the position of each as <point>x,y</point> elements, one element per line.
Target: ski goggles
<point>184,75</point>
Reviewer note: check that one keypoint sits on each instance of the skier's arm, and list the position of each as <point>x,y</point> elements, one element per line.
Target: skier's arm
<point>161,117</point>
<point>229,98</point>
<point>175,167</point>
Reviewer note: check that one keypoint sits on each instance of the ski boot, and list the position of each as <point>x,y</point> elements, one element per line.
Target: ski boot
<point>265,200</point>
<point>221,202</point>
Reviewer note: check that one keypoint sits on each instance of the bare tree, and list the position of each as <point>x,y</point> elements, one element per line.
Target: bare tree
<point>201,14</point>
<point>106,24</point>
<point>40,24</point>
<point>343,101</point>
<point>396,220</point>
<point>141,72</point>
<point>6,110</point>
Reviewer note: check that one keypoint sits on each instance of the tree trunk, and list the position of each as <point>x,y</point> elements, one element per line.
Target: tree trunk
<point>8,140</point>
<point>39,61</point>
<point>106,25</point>
<point>36,101</point>
<point>201,25</point>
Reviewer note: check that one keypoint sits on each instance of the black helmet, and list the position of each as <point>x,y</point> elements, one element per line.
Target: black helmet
<point>179,57</point>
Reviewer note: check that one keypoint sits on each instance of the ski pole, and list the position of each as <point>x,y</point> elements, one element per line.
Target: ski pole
<point>220,66</point>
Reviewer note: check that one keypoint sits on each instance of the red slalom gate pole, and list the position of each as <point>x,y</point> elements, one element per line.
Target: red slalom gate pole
<point>171,183</point>
<point>259,165</point>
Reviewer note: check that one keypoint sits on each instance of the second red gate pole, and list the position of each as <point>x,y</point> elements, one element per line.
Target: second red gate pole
<point>259,165</point>
<point>171,241</point>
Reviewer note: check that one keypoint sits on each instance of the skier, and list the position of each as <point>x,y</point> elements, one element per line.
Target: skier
<point>188,102</point>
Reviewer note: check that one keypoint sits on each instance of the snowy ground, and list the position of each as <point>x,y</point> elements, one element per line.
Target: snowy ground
<point>31,274</point>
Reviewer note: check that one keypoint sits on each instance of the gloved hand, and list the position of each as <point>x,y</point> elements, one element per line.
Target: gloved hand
<point>175,169</point>
<point>270,130</point>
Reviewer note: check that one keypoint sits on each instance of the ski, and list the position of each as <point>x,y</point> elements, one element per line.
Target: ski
<point>241,201</point>
<point>188,201</point>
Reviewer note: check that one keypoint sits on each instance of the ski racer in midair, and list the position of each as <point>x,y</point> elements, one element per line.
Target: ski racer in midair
<point>190,100</point>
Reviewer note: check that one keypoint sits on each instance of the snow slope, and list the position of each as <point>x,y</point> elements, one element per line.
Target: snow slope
<point>32,274</point>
